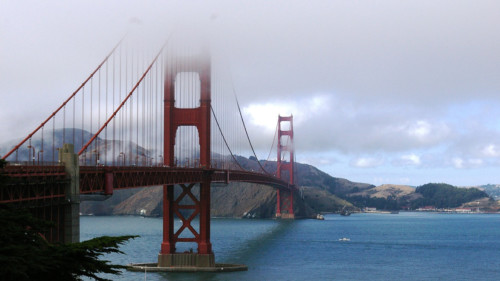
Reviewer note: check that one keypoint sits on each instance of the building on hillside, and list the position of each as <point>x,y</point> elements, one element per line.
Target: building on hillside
<point>426,209</point>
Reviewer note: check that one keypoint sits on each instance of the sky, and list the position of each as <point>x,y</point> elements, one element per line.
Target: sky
<point>399,92</point>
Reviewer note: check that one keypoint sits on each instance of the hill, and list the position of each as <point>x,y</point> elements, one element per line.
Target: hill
<point>388,191</point>
<point>492,189</point>
<point>318,192</point>
<point>395,197</point>
<point>442,195</point>
<point>244,199</point>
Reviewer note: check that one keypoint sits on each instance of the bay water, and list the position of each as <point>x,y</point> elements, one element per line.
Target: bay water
<point>405,246</point>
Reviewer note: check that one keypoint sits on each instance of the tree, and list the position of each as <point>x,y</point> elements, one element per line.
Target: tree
<point>443,195</point>
<point>26,255</point>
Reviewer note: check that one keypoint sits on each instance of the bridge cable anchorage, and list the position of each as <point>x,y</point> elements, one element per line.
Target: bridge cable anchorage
<point>66,101</point>
<point>245,127</point>
<point>124,101</point>
<point>224,138</point>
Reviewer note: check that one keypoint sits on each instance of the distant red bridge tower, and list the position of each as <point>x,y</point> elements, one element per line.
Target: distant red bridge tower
<point>285,167</point>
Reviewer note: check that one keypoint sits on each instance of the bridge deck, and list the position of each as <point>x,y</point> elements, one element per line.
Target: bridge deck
<point>35,183</point>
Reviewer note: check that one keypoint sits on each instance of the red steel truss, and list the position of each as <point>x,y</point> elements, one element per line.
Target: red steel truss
<point>42,190</point>
<point>38,183</point>
<point>33,183</point>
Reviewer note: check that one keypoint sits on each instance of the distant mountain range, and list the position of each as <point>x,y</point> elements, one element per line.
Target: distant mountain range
<point>492,189</point>
<point>52,140</point>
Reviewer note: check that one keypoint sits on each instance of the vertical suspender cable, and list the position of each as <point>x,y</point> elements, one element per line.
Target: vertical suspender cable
<point>124,114</point>
<point>113,139</point>
<point>99,117</point>
<point>42,145</point>
<point>91,111</point>
<point>154,112</point>
<point>99,112</point>
<point>137,114</point>
<point>120,117</point>
<point>106,116</point>
<point>64,125</point>
<point>83,119</point>
<point>122,103</point>
<point>74,117</point>
<point>53,138</point>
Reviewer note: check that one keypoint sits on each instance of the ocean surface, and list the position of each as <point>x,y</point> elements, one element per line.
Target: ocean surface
<point>404,246</point>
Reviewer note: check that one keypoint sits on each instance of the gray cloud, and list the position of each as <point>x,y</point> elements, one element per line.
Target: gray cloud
<point>391,78</point>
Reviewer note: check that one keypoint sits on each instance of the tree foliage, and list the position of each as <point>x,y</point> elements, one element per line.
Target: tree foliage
<point>441,195</point>
<point>26,255</point>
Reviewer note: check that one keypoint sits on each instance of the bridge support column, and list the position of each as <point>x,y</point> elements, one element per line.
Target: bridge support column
<point>71,226</point>
<point>204,244</point>
<point>284,205</point>
<point>168,244</point>
<point>168,256</point>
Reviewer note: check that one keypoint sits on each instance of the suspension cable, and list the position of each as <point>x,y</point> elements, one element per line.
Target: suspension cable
<point>124,101</point>
<point>66,101</point>
<point>272,145</point>
<point>246,132</point>
<point>224,138</point>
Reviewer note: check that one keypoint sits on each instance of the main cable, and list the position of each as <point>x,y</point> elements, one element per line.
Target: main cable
<point>224,138</point>
<point>246,132</point>
<point>272,145</point>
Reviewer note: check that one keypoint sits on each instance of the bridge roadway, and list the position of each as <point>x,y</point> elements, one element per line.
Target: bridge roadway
<point>28,183</point>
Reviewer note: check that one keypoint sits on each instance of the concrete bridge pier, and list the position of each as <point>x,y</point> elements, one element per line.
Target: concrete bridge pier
<point>69,159</point>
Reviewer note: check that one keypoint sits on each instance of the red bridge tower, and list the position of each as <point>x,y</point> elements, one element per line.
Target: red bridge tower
<point>284,207</point>
<point>173,119</point>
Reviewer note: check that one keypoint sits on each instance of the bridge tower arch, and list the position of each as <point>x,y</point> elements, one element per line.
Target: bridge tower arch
<point>285,167</point>
<point>174,118</point>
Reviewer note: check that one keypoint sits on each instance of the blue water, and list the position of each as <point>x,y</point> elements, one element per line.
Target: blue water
<point>406,246</point>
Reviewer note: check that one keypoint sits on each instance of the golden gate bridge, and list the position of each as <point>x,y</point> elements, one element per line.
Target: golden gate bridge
<point>140,119</point>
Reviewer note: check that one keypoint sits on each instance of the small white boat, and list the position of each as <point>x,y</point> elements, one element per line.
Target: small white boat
<point>344,239</point>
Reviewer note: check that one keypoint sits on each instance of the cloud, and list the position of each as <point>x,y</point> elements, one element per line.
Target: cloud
<point>425,132</point>
<point>414,83</point>
<point>468,163</point>
<point>366,162</point>
<point>303,109</point>
<point>476,162</point>
<point>491,150</point>
<point>411,159</point>
<point>458,162</point>
<point>420,130</point>
<point>392,180</point>
<point>352,127</point>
